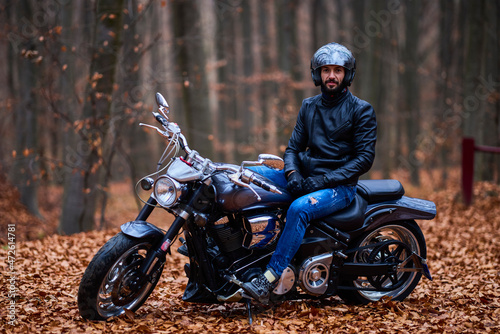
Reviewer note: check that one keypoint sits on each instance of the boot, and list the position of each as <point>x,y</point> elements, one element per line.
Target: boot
<point>260,287</point>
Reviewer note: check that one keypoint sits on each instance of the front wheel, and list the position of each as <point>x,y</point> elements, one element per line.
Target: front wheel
<point>109,284</point>
<point>392,243</point>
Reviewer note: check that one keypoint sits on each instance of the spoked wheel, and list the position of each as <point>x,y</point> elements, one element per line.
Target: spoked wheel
<point>393,243</point>
<point>111,282</point>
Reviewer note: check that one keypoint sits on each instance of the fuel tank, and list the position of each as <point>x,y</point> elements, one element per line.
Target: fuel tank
<point>231,197</point>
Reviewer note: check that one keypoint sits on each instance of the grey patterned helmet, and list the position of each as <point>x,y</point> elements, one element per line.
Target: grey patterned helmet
<point>333,54</point>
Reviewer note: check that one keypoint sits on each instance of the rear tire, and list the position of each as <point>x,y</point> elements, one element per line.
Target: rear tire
<point>403,283</point>
<point>105,286</point>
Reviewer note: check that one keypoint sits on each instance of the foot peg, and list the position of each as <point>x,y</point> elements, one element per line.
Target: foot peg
<point>238,295</point>
<point>235,297</point>
<point>183,248</point>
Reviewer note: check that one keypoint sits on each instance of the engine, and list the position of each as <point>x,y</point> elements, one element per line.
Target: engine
<point>253,231</point>
<point>237,234</point>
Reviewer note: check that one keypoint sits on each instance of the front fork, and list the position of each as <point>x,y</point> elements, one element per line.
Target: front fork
<point>147,209</point>
<point>156,256</point>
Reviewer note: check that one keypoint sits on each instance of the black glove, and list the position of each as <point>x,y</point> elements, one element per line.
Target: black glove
<point>294,184</point>
<point>314,183</point>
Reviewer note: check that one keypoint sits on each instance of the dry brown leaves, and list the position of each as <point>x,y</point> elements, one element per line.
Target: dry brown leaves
<point>464,297</point>
<point>13,212</point>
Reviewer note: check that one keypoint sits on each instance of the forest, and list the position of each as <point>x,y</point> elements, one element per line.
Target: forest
<point>78,76</point>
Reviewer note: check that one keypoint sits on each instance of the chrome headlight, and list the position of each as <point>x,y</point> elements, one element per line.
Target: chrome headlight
<point>167,191</point>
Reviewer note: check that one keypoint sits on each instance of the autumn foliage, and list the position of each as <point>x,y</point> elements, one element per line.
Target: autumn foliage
<point>464,297</point>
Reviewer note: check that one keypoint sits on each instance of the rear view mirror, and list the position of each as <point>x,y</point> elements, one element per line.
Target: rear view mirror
<point>162,104</point>
<point>160,101</point>
<point>271,161</point>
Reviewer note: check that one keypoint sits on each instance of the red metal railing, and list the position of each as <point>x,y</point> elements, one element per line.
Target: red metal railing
<point>468,149</point>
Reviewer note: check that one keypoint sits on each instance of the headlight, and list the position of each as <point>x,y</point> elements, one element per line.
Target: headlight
<point>167,191</point>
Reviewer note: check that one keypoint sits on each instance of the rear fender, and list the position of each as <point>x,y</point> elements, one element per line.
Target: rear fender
<point>140,229</point>
<point>405,208</point>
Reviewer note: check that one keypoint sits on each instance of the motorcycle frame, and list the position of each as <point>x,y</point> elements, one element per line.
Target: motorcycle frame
<point>328,240</point>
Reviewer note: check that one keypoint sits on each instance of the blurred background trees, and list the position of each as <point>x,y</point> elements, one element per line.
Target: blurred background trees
<point>78,76</point>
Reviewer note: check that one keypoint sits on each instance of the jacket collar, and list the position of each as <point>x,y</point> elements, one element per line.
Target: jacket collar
<point>332,100</point>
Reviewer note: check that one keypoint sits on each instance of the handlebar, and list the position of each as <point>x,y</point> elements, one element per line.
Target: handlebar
<point>239,176</point>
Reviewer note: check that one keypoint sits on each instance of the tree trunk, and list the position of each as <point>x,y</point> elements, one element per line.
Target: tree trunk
<point>305,51</point>
<point>164,74</point>
<point>236,87</point>
<point>132,95</point>
<point>255,102</point>
<point>271,87</point>
<point>409,79</point>
<point>208,21</point>
<point>445,66</point>
<point>82,188</point>
<point>495,66</point>
<point>385,98</point>
<point>24,172</point>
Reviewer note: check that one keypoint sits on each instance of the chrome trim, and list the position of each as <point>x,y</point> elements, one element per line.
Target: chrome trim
<point>314,274</point>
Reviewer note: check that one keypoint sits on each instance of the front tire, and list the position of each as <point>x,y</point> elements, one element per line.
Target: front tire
<point>106,288</point>
<point>400,239</point>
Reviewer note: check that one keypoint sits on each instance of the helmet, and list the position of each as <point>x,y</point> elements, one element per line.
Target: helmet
<point>333,54</point>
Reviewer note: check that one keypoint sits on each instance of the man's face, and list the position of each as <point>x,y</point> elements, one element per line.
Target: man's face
<point>331,78</point>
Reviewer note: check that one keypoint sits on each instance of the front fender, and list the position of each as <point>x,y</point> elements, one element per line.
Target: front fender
<point>141,229</point>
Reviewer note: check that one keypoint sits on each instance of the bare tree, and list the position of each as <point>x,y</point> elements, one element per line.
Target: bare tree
<point>23,74</point>
<point>410,101</point>
<point>209,29</point>
<point>82,188</point>
<point>271,88</point>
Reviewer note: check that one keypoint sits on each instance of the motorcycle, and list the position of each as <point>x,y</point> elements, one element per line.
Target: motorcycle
<point>231,218</point>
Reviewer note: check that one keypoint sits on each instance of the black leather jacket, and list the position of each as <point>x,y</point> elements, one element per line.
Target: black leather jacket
<point>333,138</point>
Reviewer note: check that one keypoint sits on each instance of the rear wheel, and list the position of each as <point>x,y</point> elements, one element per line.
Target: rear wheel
<point>392,243</point>
<point>109,284</point>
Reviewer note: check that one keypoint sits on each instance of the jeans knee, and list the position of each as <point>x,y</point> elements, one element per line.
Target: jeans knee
<point>298,214</point>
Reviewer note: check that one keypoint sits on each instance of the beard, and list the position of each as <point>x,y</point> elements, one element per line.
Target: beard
<point>331,91</point>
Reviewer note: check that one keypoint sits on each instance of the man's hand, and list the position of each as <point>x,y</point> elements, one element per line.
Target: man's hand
<point>294,184</point>
<point>314,183</point>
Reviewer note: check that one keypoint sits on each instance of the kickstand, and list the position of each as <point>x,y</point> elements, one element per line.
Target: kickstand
<point>249,309</point>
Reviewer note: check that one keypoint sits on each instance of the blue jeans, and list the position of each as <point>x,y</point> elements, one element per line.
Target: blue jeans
<point>312,206</point>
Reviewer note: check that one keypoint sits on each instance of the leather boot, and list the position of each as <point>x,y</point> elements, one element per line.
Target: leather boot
<point>260,287</point>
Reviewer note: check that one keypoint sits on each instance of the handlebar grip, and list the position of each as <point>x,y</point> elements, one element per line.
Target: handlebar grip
<point>161,119</point>
<point>265,186</point>
<point>261,184</point>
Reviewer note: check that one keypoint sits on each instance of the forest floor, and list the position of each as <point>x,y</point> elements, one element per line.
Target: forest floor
<point>463,255</point>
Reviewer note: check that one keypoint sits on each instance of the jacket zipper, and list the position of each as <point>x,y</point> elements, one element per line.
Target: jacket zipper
<point>338,130</point>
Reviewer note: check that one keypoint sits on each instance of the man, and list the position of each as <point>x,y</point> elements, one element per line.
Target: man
<point>332,144</point>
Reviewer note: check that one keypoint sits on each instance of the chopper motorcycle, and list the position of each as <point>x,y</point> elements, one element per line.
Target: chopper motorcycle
<point>231,218</point>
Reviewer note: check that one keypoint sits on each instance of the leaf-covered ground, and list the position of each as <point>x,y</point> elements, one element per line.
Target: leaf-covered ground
<point>464,297</point>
